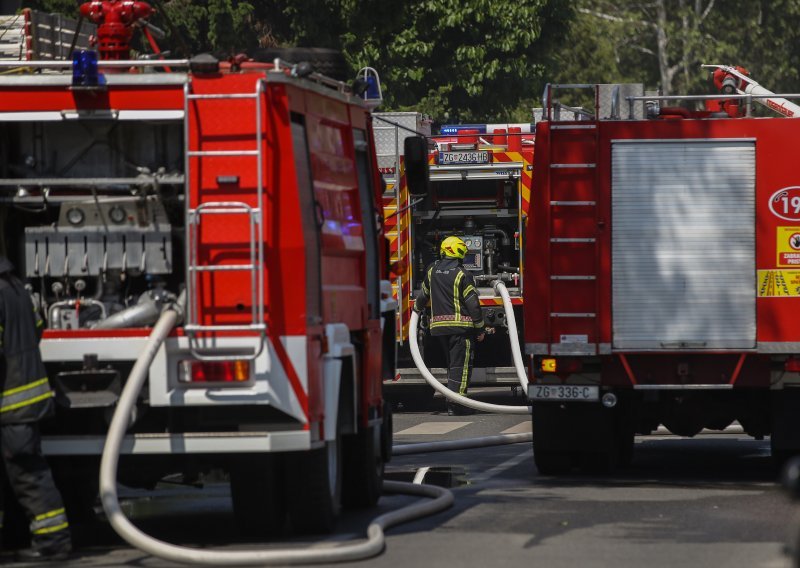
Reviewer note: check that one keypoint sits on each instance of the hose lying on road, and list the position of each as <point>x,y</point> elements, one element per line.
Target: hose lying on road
<point>454,396</point>
<point>466,444</point>
<point>375,543</point>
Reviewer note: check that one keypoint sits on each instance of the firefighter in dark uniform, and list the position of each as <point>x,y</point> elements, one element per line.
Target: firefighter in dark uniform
<point>26,398</point>
<point>456,317</point>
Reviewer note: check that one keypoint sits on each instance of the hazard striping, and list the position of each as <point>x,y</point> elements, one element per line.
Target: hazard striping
<point>520,428</point>
<point>432,428</point>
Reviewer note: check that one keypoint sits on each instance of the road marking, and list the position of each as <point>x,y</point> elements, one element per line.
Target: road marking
<point>520,428</point>
<point>506,465</point>
<point>420,475</point>
<point>433,428</point>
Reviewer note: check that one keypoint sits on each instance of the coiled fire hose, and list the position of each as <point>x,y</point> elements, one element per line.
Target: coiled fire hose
<point>463,400</point>
<point>442,498</point>
<point>374,544</point>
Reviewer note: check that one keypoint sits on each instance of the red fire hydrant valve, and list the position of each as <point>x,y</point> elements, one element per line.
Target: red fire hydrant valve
<point>115,20</point>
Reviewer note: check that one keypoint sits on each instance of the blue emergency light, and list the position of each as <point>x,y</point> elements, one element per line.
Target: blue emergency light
<point>458,128</point>
<point>84,68</point>
<point>373,95</point>
<point>373,89</point>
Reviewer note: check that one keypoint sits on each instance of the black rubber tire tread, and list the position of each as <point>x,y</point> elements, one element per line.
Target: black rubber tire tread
<point>312,508</point>
<point>599,463</point>
<point>362,468</point>
<point>259,501</point>
<point>330,62</point>
<point>552,463</point>
<point>387,441</point>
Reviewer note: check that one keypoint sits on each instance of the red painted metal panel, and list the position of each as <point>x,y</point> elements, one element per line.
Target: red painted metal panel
<point>141,97</point>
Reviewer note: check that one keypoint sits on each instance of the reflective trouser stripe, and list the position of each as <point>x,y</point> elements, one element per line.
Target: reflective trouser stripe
<point>50,522</point>
<point>448,323</point>
<point>25,395</point>
<point>456,299</point>
<point>462,389</point>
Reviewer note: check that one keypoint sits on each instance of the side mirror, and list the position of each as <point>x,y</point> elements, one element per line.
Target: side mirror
<point>415,152</point>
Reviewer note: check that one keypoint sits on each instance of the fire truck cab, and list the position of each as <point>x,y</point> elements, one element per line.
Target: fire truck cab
<point>479,189</point>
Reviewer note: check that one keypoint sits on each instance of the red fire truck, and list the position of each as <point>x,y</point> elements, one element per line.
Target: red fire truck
<point>245,190</point>
<point>480,187</point>
<point>663,274</point>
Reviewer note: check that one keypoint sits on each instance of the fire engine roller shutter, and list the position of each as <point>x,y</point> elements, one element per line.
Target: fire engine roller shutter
<point>683,244</point>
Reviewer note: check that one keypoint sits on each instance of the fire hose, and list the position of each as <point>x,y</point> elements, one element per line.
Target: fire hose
<point>374,544</point>
<point>515,352</point>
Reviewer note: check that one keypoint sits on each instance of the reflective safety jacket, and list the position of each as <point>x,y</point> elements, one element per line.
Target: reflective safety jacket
<point>25,393</point>
<point>455,308</point>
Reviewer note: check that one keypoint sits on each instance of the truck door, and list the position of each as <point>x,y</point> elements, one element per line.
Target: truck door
<point>683,244</point>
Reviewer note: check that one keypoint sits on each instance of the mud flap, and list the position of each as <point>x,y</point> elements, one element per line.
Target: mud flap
<point>572,427</point>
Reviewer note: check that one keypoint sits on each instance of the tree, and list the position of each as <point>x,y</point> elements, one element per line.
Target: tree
<point>662,43</point>
<point>457,60</point>
<point>461,61</point>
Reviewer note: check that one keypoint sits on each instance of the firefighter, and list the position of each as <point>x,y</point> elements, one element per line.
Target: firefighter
<point>25,399</point>
<point>456,317</point>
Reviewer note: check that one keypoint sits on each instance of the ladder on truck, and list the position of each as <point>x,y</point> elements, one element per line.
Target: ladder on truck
<point>573,223</point>
<point>235,209</point>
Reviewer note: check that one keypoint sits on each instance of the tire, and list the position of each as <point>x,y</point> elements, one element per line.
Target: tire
<point>258,496</point>
<point>315,485</point>
<point>362,468</point>
<point>328,62</point>
<point>599,463</point>
<point>387,432</point>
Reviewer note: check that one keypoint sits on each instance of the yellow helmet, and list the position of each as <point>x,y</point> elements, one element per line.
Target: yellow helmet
<point>453,247</point>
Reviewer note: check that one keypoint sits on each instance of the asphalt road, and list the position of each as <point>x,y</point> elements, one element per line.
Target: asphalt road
<point>708,501</point>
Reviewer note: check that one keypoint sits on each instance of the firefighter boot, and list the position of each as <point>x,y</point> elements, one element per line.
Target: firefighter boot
<point>37,555</point>
<point>459,410</point>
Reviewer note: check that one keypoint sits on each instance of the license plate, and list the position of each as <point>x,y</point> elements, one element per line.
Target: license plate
<point>563,392</point>
<point>476,157</point>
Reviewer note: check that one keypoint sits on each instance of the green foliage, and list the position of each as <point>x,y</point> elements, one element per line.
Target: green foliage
<point>66,7</point>
<point>618,41</point>
<point>456,60</point>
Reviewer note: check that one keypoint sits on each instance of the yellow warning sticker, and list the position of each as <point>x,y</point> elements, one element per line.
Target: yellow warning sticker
<point>779,283</point>
<point>788,246</point>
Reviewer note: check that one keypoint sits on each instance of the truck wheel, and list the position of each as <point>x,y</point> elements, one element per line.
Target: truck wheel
<point>387,432</point>
<point>315,485</point>
<point>600,463</point>
<point>363,468</point>
<point>552,463</point>
<point>259,505</point>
